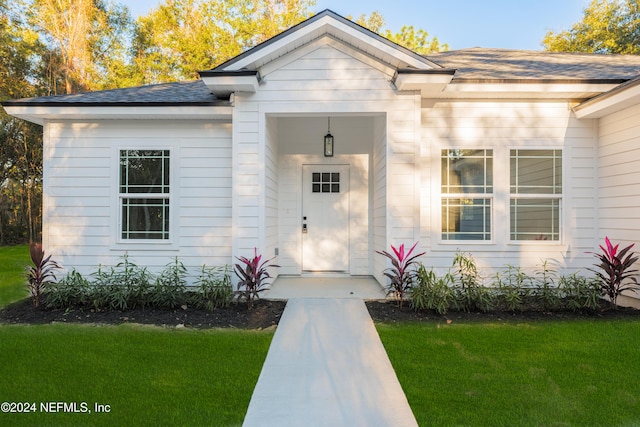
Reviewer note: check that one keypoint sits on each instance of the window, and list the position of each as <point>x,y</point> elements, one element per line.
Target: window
<point>536,193</point>
<point>144,194</point>
<point>325,182</point>
<point>467,194</point>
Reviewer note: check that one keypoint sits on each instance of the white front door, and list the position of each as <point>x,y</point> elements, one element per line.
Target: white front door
<point>325,218</point>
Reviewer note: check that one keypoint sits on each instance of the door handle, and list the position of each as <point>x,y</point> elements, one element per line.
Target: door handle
<point>304,228</point>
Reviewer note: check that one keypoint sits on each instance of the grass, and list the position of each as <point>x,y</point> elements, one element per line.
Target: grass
<point>546,373</point>
<point>147,375</point>
<point>13,283</point>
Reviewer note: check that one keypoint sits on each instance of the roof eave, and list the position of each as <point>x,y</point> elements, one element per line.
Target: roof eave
<point>40,114</point>
<point>618,98</point>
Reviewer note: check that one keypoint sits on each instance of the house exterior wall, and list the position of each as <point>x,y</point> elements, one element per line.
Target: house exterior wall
<point>326,80</point>
<point>619,177</point>
<point>80,192</point>
<point>502,126</point>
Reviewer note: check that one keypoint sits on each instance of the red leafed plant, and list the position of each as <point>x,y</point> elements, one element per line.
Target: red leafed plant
<point>41,273</point>
<point>402,272</point>
<point>253,275</point>
<point>614,270</point>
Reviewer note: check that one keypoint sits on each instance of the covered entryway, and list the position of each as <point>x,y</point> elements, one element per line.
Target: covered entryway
<point>325,218</point>
<point>328,207</point>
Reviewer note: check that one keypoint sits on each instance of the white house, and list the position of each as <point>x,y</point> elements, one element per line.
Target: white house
<point>513,156</point>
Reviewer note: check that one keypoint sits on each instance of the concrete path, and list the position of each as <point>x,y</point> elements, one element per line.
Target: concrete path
<point>327,367</point>
<point>366,288</point>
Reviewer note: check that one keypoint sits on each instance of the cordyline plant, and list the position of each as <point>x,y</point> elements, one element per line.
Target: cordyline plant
<point>253,275</point>
<point>614,270</point>
<point>403,271</point>
<point>41,273</point>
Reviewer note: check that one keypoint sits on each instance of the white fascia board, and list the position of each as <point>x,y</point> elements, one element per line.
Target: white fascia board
<point>40,114</point>
<point>530,87</point>
<point>341,31</point>
<point>606,104</point>
<point>223,85</point>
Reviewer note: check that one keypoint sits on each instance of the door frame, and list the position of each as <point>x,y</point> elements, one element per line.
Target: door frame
<point>345,183</point>
<point>290,212</point>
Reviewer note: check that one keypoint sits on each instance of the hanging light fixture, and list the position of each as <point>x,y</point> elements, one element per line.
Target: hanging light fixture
<point>328,140</point>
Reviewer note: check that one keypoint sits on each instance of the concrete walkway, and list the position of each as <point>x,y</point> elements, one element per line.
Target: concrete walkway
<point>327,367</point>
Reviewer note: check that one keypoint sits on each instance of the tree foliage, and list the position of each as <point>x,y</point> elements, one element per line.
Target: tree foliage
<point>86,41</point>
<point>415,40</point>
<point>182,37</point>
<point>608,26</point>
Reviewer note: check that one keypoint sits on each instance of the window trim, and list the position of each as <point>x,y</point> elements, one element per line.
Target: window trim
<point>556,196</point>
<point>500,225</point>
<point>117,241</point>
<point>492,197</point>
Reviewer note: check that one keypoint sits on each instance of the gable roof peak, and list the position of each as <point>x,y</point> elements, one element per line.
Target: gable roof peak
<point>327,23</point>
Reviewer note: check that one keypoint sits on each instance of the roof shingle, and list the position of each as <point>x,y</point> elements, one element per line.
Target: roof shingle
<point>193,93</point>
<point>506,64</point>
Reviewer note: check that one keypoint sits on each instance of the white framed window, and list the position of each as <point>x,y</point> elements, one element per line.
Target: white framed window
<point>467,194</point>
<point>144,194</point>
<point>535,194</point>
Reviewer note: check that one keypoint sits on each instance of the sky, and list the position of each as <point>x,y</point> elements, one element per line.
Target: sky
<point>509,24</point>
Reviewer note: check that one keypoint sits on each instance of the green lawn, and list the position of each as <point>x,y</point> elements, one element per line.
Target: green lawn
<point>147,375</point>
<point>546,373</point>
<point>13,284</point>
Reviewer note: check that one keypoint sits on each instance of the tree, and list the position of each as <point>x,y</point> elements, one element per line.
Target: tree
<point>86,40</point>
<point>608,26</point>
<point>182,37</point>
<point>415,40</point>
<point>20,142</point>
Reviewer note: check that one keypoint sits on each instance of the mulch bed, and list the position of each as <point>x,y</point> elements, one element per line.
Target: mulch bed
<point>266,314</point>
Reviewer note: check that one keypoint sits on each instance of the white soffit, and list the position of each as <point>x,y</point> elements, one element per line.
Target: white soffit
<point>223,84</point>
<point>426,83</point>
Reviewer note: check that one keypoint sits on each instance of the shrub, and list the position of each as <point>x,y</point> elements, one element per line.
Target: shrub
<point>41,273</point>
<point>471,293</point>
<point>402,273</point>
<point>253,275</point>
<point>215,288</point>
<point>431,292</point>
<point>545,291</point>
<point>512,288</point>
<point>72,289</point>
<point>614,270</point>
<point>170,288</point>
<point>579,292</point>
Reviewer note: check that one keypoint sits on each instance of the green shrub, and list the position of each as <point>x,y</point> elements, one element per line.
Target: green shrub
<point>170,288</point>
<point>431,292</point>
<point>471,293</point>
<point>579,292</point>
<point>215,289</point>
<point>512,289</point>
<point>127,286</point>
<point>68,291</point>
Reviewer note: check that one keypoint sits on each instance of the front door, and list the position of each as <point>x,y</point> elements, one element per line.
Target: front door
<point>325,218</point>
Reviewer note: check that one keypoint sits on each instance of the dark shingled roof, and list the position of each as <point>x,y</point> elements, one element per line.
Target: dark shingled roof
<point>193,93</point>
<point>504,64</point>
<point>471,65</point>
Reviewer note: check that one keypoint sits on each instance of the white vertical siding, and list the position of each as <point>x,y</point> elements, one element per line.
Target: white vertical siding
<point>619,177</point>
<point>81,184</point>
<point>502,126</point>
